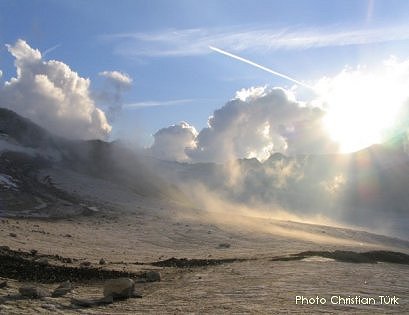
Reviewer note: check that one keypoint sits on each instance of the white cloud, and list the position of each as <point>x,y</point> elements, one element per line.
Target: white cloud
<point>185,42</point>
<point>52,95</point>
<point>351,110</point>
<point>250,94</point>
<point>1,73</point>
<point>172,142</point>
<point>258,122</point>
<point>122,79</point>
<point>111,95</point>
<point>263,121</point>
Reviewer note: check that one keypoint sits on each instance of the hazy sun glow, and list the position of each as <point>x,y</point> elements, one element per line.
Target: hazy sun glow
<point>362,106</point>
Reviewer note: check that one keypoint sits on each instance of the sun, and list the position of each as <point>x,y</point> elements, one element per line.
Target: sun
<point>360,108</point>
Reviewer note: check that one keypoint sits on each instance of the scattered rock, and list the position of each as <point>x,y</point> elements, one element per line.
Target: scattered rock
<point>13,234</point>
<point>102,261</point>
<point>33,292</point>
<point>50,307</point>
<point>105,300</point>
<point>42,261</point>
<point>119,288</point>
<point>85,264</point>
<point>66,260</point>
<point>224,245</point>
<point>83,302</point>
<point>62,289</point>
<point>3,284</point>
<point>89,211</point>
<point>60,292</point>
<point>152,276</point>
<point>90,303</point>
<point>65,284</point>
<point>67,235</point>
<point>136,295</point>
<point>33,252</point>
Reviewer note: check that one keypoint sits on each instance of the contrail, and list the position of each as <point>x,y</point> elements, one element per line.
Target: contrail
<point>259,66</point>
<point>47,51</point>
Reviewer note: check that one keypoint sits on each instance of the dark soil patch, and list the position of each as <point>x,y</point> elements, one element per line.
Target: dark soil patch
<point>21,266</point>
<point>352,257</point>
<point>190,263</point>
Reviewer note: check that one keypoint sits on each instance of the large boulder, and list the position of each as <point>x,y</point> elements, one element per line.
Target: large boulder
<point>121,288</point>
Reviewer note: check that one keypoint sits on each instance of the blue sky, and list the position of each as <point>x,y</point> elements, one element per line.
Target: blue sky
<point>163,47</point>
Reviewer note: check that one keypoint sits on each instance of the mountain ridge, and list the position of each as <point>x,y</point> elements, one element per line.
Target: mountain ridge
<point>363,187</point>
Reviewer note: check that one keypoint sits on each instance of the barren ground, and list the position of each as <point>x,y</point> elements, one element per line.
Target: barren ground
<point>131,230</point>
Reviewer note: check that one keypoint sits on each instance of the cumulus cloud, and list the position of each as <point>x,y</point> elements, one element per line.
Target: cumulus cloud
<point>111,95</point>
<point>351,110</point>
<point>258,122</point>
<point>171,143</point>
<point>52,95</point>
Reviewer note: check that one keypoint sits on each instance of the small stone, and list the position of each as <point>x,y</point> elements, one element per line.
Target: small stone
<point>13,234</point>
<point>3,284</point>
<point>50,307</point>
<point>65,284</point>
<point>119,288</point>
<point>62,289</point>
<point>224,245</point>
<point>60,292</point>
<point>136,295</point>
<point>67,260</point>
<point>85,264</point>
<point>152,276</point>
<point>106,300</point>
<point>42,261</point>
<point>90,303</point>
<point>83,302</point>
<point>33,292</point>
<point>102,261</point>
<point>33,252</point>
